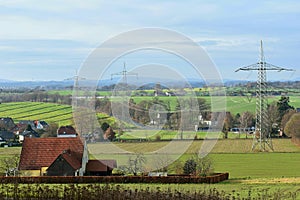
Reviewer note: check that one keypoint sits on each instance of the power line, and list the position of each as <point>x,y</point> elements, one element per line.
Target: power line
<point>262,134</point>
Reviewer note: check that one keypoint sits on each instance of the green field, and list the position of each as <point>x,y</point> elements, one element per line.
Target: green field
<point>61,114</point>
<point>50,112</point>
<point>233,156</point>
<point>234,104</point>
<point>273,175</point>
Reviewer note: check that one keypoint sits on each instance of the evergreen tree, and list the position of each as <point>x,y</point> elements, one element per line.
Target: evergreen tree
<point>283,106</point>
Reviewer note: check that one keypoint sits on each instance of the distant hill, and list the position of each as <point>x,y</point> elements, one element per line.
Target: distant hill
<point>147,83</point>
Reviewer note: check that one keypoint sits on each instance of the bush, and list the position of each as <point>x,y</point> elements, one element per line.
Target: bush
<point>198,166</point>
<point>190,167</point>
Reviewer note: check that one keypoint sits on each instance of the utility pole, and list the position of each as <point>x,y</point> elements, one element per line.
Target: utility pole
<point>262,135</point>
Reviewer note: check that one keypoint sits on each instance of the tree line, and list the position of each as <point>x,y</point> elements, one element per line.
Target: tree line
<point>36,96</point>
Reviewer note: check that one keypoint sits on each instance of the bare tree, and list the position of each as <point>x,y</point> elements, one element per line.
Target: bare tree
<point>9,165</point>
<point>162,162</point>
<point>246,120</point>
<point>292,127</point>
<point>135,164</point>
<point>286,117</point>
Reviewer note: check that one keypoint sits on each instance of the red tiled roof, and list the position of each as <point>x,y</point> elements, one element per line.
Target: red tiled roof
<point>41,152</point>
<point>100,165</point>
<point>71,158</point>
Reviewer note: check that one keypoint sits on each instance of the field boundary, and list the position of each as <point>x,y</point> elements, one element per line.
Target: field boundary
<point>216,178</point>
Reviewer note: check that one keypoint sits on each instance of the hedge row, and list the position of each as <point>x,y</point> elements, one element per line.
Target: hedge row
<point>216,178</point>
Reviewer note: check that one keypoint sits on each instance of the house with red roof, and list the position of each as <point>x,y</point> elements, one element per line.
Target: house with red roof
<point>60,156</point>
<point>39,154</point>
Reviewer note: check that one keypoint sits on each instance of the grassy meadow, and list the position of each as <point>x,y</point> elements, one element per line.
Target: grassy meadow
<point>230,155</point>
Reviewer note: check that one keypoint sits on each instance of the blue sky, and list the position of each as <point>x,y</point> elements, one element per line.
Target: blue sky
<point>49,40</point>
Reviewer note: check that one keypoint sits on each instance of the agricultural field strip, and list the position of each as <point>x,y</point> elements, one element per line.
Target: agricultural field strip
<point>57,118</point>
<point>15,107</point>
<point>37,112</point>
<point>55,115</point>
<point>4,106</point>
<point>61,118</point>
<point>29,110</point>
<point>46,108</point>
<point>101,116</point>
<point>15,113</point>
<point>29,107</point>
<point>64,122</point>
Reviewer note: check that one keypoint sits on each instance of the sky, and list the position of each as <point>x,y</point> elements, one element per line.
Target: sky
<point>50,40</point>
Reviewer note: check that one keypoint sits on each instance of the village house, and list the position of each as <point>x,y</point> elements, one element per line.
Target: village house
<point>7,124</point>
<point>38,154</point>
<point>60,156</point>
<point>7,131</point>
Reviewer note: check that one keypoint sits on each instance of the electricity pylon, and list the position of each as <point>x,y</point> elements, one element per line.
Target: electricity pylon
<point>76,79</point>
<point>262,136</point>
<point>123,86</point>
<point>124,74</point>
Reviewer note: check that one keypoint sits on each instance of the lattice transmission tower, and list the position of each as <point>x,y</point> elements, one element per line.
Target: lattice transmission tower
<point>123,87</point>
<point>124,74</point>
<point>262,136</point>
<point>76,88</point>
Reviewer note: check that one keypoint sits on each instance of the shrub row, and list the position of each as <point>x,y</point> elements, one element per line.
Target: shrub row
<point>216,178</point>
<point>103,191</point>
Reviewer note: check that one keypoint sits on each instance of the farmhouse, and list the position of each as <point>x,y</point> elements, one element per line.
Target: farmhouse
<point>60,156</point>
<point>38,154</point>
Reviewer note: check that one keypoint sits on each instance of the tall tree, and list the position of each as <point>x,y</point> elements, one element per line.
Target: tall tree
<point>273,118</point>
<point>283,106</point>
<point>228,123</point>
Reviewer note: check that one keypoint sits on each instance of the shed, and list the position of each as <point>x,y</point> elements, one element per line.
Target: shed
<point>100,167</point>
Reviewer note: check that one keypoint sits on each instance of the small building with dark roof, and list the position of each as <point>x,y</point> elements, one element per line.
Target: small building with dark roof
<point>7,124</point>
<point>66,164</point>
<point>100,167</point>
<point>66,131</point>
